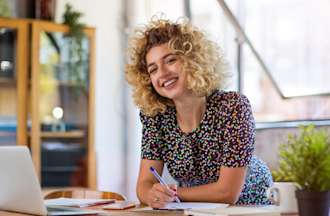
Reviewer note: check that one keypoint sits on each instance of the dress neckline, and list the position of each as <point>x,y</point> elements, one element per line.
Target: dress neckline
<point>201,123</point>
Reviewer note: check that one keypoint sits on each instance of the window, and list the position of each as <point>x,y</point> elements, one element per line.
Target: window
<point>291,37</point>
<point>211,20</point>
<point>140,11</point>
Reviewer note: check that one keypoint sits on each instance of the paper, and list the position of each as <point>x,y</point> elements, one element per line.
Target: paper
<point>194,205</point>
<point>77,202</point>
<point>119,205</point>
<point>187,205</point>
<point>236,211</point>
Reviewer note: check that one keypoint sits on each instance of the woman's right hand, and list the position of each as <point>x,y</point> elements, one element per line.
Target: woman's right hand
<point>159,195</point>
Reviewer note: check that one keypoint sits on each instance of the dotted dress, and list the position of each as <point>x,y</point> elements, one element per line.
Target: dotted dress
<point>225,137</point>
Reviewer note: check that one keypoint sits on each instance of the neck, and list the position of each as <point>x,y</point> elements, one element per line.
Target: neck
<point>190,112</point>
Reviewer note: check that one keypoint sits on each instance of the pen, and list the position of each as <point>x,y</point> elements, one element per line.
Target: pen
<point>161,181</point>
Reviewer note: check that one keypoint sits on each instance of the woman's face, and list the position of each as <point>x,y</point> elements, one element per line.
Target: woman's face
<point>166,74</point>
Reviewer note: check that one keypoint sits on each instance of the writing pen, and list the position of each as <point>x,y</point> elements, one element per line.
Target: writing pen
<point>161,181</point>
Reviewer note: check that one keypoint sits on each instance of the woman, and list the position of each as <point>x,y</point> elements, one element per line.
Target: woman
<point>204,135</point>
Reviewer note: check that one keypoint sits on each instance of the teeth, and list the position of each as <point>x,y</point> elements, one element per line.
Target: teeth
<point>169,82</point>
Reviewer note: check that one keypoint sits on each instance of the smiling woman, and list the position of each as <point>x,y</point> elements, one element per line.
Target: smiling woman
<point>203,134</point>
<point>166,74</point>
<point>201,58</point>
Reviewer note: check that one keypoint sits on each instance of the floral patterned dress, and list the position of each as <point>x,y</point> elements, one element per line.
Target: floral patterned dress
<point>225,137</point>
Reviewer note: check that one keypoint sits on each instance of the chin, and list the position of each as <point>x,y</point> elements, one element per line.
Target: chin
<point>173,95</point>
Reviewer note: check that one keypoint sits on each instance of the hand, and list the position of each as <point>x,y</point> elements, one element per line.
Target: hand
<point>159,195</point>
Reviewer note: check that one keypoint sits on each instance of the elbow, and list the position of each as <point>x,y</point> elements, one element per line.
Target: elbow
<point>228,198</point>
<point>231,200</point>
<point>138,193</point>
<point>142,189</point>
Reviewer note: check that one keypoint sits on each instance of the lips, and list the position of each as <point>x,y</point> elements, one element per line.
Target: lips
<point>169,82</point>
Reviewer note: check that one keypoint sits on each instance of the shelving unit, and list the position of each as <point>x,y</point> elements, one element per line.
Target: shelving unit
<point>71,134</point>
<point>39,90</point>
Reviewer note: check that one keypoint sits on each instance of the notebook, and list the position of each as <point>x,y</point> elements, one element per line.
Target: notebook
<point>79,203</point>
<point>119,205</point>
<point>235,211</point>
<point>20,188</point>
<point>186,205</point>
<point>193,205</point>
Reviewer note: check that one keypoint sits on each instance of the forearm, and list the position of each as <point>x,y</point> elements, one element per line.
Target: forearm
<point>142,191</point>
<point>208,193</point>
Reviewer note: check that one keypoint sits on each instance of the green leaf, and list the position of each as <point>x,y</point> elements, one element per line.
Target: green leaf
<point>305,159</point>
<point>4,9</point>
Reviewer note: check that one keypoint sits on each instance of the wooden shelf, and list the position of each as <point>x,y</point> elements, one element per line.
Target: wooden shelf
<point>63,134</point>
<point>7,81</point>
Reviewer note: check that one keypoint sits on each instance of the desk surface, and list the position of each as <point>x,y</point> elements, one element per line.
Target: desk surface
<point>115,213</point>
<point>129,213</point>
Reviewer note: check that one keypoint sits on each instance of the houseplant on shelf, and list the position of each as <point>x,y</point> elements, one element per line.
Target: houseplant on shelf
<point>77,55</point>
<point>4,9</point>
<point>305,159</point>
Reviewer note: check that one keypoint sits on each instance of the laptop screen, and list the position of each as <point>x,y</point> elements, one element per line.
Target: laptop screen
<point>19,185</point>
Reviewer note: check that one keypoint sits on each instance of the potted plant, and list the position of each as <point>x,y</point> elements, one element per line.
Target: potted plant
<point>77,55</point>
<point>305,159</point>
<point>4,9</point>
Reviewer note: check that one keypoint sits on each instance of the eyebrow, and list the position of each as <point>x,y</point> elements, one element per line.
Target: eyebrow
<point>164,57</point>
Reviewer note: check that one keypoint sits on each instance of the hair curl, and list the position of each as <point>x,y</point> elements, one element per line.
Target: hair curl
<point>202,59</point>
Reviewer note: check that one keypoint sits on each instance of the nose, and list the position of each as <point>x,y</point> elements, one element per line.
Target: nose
<point>163,70</point>
<point>163,73</point>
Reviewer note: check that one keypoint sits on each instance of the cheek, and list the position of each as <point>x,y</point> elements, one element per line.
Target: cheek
<point>153,82</point>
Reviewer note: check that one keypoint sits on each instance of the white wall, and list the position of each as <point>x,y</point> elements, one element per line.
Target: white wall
<point>117,132</point>
<point>106,16</point>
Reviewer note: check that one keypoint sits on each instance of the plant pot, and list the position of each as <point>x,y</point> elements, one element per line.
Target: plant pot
<point>312,203</point>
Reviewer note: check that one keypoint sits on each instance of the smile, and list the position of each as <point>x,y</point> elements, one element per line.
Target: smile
<point>169,82</point>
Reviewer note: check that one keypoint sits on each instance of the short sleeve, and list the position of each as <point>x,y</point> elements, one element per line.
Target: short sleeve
<point>239,132</point>
<point>151,140</point>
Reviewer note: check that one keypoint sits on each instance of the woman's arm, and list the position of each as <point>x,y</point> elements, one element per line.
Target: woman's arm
<point>236,152</point>
<point>226,190</point>
<point>148,189</point>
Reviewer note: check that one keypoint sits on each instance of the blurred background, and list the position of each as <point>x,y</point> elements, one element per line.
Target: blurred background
<point>287,86</point>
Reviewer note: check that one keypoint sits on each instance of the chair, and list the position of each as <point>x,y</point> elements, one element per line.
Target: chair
<point>84,194</point>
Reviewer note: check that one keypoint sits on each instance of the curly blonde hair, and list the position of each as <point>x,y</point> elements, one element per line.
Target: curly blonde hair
<point>202,59</point>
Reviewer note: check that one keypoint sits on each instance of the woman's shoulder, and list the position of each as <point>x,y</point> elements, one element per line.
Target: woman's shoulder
<point>158,119</point>
<point>228,98</point>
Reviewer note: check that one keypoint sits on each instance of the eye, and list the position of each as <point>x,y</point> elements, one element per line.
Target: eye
<point>152,70</point>
<point>170,60</point>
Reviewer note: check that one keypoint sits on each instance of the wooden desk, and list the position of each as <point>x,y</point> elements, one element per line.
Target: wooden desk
<point>129,213</point>
<point>115,213</point>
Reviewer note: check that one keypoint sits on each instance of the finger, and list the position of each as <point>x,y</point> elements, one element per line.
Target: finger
<point>165,189</point>
<point>173,187</point>
<point>163,197</point>
<point>159,196</point>
<point>158,204</point>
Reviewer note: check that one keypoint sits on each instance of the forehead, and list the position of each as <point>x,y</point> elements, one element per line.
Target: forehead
<point>157,52</point>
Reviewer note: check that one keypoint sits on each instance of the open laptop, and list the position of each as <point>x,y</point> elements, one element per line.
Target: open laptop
<point>20,190</point>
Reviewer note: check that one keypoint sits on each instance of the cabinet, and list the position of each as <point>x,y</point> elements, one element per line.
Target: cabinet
<point>52,90</point>
<point>13,82</point>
